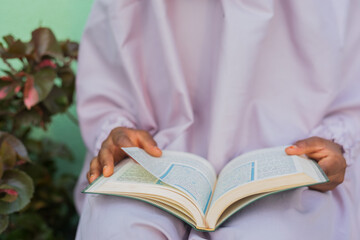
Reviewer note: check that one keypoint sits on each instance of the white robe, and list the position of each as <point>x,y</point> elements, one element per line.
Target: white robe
<point>219,78</point>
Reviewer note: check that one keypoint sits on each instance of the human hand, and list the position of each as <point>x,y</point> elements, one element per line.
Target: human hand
<point>329,156</point>
<point>111,152</point>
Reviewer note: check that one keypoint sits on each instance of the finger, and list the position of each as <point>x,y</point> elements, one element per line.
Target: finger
<point>106,161</point>
<point>94,171</point>
<point>334,181</point>
<point>306,146</point>
<point>88,176</point>
<point>327,167</point>
<point>119,142</point>
<point>147,142</point>
<point>333,166</point>
<point>323,187</point>
<point>319,155</point>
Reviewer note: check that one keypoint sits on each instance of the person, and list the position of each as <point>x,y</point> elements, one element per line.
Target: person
<point>221,78</point>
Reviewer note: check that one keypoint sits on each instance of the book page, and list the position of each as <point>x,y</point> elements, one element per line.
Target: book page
<point>127,172</point>
<point>253,166</point>
<point>189,173</point>
<point>131,180</point>
<point>133,173</point>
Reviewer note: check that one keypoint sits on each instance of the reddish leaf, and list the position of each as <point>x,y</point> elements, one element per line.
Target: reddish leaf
<point>45,44</point>
<point>5,78</point>
<point>9,85</point>
<point>8,194</point>
<point>20,162</point>
<point>9,191</point>
<point>16,50</point>
<point>23,184</point>
<point>8,91</point>
<point>27,118</point>
<point>31,96</point>
<point>20,74</point>
<point>4,92</point>
<point>47,63</point>
<point>9,39</point>
<point>17,89</point>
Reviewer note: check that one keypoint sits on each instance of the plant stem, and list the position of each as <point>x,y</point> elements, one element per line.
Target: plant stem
<point>72,118</point>
<point>9,65</point>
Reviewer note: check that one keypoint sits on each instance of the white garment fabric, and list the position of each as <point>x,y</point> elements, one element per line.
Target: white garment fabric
<point>219,78</point>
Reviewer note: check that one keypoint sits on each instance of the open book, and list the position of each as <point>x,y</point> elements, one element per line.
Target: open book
<point>186,185</point>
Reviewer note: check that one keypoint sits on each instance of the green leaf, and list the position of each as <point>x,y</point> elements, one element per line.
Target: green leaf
<point>67,76</point>
<point>45,44</point>
<point>7,154</point>
<point>17,49</point>
<point>8,193</point>
<point>27,118</point>
<point>33,145</point>
<point>29,48</point>
<point>4,222</point>
<point>38,87</point>
<point>70,49</point>
<point>2,49</point>
<point>30,226</point>
<point>23,184</point>
<point>44,82</point>
<point>16,145</point>
<point>56,101</point>
<point>57,150</point>
<point>1,169</point>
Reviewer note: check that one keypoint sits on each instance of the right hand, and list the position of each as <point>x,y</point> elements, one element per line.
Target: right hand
<point>111,152</point>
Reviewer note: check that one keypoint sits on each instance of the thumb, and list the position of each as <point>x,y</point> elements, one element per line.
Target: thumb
<point>305,146</point>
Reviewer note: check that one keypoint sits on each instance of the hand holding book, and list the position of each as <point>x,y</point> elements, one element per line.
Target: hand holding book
<point>186,185</point>
<point>329,156</point>
<point>110,153</point>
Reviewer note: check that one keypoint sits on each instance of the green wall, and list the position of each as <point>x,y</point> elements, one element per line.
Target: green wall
<point>67,19</point>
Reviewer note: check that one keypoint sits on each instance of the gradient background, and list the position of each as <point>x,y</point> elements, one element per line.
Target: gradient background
<point>67,19</point>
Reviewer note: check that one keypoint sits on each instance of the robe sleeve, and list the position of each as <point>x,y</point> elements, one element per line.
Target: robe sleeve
<point>102,102</point>
<point>342,129</point>
<point>342,125</point>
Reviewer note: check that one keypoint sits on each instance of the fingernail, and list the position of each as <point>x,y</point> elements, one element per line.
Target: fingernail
<point>105,166</point>
<point>293,147</point>
<point>158,149</point>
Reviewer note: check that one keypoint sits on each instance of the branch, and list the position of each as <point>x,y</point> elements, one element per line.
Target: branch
<point>72,118</point>
<point>13,70</point>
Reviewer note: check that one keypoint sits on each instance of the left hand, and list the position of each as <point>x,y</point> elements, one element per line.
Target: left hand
<point>329,156</point>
